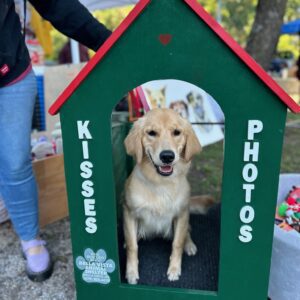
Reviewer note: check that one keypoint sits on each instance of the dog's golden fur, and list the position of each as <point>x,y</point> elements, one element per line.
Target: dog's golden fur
<point>157,194</point>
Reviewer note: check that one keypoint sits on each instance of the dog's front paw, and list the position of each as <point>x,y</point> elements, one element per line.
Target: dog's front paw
<point>174,273</point>
<point>190,248</point>
<point>132,276</point>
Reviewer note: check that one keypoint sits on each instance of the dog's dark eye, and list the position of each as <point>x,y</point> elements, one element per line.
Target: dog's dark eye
<point>152,133</point>
<point>176,132</point>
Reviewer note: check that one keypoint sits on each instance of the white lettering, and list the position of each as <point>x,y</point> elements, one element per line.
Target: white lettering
<point>247,214</point>
<point>248,188</point>
<point>250,172</point>
<point>254,126</point>
<point>245,234</point>
<point>83,132</point>
<point>91,226</point>
<point>248,151</point>
<point>85,150</point>
<point>86,168</point>
<point>89,207</point>
<point>87,188</point>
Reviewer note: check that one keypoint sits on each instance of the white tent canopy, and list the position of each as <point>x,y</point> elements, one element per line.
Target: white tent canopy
<point>102,4</point>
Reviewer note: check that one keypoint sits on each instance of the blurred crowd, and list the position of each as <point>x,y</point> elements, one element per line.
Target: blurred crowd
<point>285,65</point>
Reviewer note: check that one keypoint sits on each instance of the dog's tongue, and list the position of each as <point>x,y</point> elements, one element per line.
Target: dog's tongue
<point>166,169</point>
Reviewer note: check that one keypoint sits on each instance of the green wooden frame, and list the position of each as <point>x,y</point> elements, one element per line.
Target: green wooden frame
<point>175,39</point>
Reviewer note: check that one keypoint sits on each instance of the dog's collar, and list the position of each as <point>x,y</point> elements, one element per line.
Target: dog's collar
<point>158,168</point>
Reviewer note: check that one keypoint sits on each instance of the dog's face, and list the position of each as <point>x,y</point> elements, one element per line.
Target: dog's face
<point>157,97</point>
<point>194,99</point>
<point>180,107</point>
<point>162,138</point>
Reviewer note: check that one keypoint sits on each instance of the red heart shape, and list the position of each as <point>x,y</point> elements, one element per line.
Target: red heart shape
<point>165,39</point>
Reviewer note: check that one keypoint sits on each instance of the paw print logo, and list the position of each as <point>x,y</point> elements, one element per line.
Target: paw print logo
<point>96,266</point>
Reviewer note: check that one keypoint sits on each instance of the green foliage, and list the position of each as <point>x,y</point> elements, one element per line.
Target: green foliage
<point>292,10</point>
<point>58,40</point>
<point>237,16</point>
<point>112,17</point>
<point>210,6</point>
<point>290,42</point>
<point>237,19</point>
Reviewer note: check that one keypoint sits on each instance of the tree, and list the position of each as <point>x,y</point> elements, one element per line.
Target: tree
<point>265,31</point>
<point>237,16</point>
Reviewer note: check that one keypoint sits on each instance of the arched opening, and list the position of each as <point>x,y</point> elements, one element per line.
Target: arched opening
<point>192,103</point>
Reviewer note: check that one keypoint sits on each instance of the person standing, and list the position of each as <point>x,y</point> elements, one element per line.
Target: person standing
<point>17,97</point>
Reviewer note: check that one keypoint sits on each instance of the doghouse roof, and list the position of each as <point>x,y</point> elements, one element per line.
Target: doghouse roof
<point>210,22</point>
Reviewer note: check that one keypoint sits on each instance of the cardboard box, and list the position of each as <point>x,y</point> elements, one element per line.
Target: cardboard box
<point>50,178</point>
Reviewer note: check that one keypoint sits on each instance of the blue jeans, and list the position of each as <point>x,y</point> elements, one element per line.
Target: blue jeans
<point>17,182</point>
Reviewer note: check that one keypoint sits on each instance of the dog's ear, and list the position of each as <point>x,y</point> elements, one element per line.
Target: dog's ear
<point>192,145</point>
<point>189,97</point>
<point>163,90</point>
<point>133,141</point>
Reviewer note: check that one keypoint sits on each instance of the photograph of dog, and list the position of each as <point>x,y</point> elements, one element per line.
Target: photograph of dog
<point>196,103</point>
<point>180,107</point>
<point>157,97</point>
<point>157,193</point>
<point>191,102</point>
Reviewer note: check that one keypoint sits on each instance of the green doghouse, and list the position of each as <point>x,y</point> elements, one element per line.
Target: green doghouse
<point>174,39</point>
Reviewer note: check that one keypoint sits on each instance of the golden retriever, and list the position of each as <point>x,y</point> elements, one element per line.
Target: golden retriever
<point>157,193</point>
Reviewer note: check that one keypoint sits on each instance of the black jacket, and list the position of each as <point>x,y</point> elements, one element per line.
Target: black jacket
<point>68,16</point>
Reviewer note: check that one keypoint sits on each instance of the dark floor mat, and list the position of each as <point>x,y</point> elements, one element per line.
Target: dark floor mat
<point>198,272</point>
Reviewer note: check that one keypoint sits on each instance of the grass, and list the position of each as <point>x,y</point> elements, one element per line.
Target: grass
<point>207,167</point>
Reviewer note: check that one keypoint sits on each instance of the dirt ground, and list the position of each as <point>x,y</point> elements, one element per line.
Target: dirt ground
<point>14,284</point>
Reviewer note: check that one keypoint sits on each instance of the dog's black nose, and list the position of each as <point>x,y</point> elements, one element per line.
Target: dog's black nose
<point>167,156</point>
